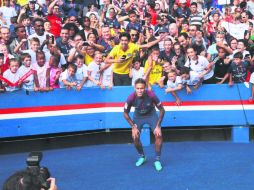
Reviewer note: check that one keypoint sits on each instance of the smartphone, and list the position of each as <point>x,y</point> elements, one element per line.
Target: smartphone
<point>123,57</point>
<point>85,44</point>
<point>52,39</point>
<point>1,55</point>
<point>247,56</point>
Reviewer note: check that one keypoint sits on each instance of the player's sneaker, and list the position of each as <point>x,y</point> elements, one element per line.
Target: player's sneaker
<point>157,165</point>
<point>140,161</point>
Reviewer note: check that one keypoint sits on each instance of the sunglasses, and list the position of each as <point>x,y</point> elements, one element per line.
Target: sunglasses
<point>134,34</point>
<point>220,32</point>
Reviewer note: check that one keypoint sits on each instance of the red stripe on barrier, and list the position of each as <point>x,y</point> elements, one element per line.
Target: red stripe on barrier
<point>209,103</point>
<point>59,107</point>
<point>118,104</point>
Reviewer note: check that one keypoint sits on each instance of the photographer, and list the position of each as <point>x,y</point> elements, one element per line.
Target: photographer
<point>34,177</point>
<point>26,180</point>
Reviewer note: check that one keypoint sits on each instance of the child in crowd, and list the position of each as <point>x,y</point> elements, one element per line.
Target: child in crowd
<point>153,68</point>
<point>237,70</point>
<point>12,75</point>
<point>52,49</point>
<point>241,47</point>
<point>27,23</point>
<point>136,71</point>
<point>106,77</point>
<point>133,24</point>
<point>67,78</point>
<point>93,70</point>
<point>190,78</point>
<point>54,71</point>
<point>31,82</point>
<point>41,68</point>
<point>174,84</point>
<point>34,47</point>
<point>81,74</point>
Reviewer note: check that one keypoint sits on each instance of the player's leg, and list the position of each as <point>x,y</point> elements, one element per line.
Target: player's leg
<point>158,147</point>
<point>158,144</point>
<point>137,143</point>
<point>158,141</point>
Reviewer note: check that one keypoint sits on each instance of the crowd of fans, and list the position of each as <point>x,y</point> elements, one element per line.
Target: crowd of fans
<point>47,44</point>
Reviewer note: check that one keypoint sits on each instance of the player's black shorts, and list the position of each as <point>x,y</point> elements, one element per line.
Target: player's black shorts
<point>151,120</point>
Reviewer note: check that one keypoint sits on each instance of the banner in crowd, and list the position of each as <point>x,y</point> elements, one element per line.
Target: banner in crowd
<point>17,83</point>
<point>235,30</point>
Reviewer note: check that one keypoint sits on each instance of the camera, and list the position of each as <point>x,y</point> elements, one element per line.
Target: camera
<point>33,165</point>
<point>50,38</point>
<point>85,43</point>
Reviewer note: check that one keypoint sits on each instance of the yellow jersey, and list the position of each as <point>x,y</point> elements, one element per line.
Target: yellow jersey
<point>22,2</point>
<point>155,73</point>
<point>117,53</point>
<point>87,59</point>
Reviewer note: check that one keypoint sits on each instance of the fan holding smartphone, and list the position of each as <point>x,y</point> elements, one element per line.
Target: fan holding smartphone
<point>123,57</point>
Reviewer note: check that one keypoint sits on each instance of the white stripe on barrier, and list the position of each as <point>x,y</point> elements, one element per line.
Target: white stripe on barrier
<point>120,109</point>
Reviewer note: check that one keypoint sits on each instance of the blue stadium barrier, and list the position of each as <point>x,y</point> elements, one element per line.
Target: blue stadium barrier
<point>35,113</point>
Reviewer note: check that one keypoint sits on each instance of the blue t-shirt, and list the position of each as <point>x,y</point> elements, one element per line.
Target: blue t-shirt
<point>136,26</point>
<point>144,106</point>
<point>239,72</point>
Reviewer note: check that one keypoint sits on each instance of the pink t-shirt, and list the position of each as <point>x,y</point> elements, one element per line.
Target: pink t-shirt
<point>41,73</point>
<point>53,74</point>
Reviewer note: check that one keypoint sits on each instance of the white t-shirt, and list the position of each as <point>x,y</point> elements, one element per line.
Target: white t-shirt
<point>12,77</point>
<point>30,85</point>
<point>199,66</point>
<point>137,74</point>
<point>65,76</point>
<point>107,74</point>
<point>8,12</point>
<point>252,78</point>
<point>41,73</point>
<point>250,7</point>
<point>81,73</point>
<point>194,79</point>
<point>174,84</point>
<point>94,69</point>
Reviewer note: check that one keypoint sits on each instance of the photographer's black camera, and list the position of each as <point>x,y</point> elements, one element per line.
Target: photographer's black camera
<point>33,165</point>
